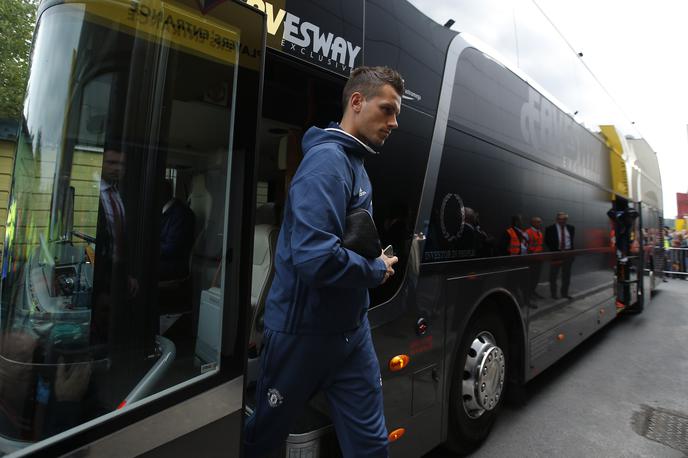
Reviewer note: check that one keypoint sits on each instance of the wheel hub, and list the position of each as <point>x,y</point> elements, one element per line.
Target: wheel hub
<point>483,375</point>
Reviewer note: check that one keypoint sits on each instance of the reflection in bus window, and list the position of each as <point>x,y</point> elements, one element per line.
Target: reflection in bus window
<point>112,280</point>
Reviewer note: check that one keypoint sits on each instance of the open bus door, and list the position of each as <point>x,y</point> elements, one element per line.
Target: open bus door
<point>126,272</point>
<point>646,239</point>
<point>629,255</point>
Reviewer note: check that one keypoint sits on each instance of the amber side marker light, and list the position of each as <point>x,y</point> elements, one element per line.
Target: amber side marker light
<point>561,337</point>
<point>398,362</point>
<point>396,434</point>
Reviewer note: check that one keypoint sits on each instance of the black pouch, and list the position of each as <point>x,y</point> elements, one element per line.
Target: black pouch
<point>360,234</point>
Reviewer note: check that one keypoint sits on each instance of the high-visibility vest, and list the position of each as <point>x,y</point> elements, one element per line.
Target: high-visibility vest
<point>535,239</point>
<point>514,242</point>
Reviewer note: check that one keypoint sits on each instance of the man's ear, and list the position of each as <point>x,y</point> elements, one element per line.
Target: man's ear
<point>356,102</point>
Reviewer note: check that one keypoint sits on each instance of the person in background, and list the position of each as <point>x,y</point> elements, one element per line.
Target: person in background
<point>560,237</point>
<point>113,286</point>
<point>176,235</point>
<point>487,242</point>
<point>515,238</point>
<point>535,246</point>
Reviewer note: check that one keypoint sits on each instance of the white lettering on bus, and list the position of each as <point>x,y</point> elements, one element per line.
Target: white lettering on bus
<point>551,131</point>
<point>308,37</point>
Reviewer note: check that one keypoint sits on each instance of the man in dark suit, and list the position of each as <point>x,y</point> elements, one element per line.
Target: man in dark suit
<point>176,235</point>
<point>560,237</point>
<point>112,285</point>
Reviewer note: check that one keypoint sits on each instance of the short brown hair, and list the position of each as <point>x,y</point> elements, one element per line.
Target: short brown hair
<point>369,80</point>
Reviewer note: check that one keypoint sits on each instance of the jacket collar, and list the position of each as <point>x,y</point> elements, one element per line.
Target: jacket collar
<point>334,127</point>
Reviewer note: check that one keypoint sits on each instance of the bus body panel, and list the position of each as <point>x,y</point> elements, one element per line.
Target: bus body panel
<point>399,36</point>
<point>202,419</point>
<point>329,36</point>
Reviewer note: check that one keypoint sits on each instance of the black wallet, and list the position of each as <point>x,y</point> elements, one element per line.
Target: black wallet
<point>360,234</point>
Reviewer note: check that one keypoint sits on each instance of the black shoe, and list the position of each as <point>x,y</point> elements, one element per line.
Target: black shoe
<point>537,295</point>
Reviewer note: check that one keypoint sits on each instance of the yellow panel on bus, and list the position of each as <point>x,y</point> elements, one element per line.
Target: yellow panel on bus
<point>618,164</point>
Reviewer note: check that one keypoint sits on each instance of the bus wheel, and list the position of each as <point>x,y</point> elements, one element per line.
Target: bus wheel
<point>479,382</point>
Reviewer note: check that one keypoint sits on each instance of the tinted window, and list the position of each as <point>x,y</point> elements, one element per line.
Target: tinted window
<point>496,104</point>
<point>114,280</point>
<point>397,175</point>
<point>480,189</point>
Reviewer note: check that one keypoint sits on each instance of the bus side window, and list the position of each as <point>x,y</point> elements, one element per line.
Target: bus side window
<point>397,175</point>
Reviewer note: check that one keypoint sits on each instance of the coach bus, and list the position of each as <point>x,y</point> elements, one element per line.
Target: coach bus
<point>157,144</point>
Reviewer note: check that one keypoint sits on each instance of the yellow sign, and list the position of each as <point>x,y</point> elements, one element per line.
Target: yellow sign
<point>163,22</point>
<point>618,165</point>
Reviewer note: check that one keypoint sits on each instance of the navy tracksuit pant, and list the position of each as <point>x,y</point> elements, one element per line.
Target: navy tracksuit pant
<point>295,367</point>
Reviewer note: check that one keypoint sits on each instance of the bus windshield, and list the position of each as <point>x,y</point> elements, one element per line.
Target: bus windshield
<point>113,264</point>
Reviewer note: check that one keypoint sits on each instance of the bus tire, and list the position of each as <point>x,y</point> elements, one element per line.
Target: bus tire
<point>478,384</point>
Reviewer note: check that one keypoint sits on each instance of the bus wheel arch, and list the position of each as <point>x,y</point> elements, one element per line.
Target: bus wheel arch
<point>488,359</point>
<point>510,313</point>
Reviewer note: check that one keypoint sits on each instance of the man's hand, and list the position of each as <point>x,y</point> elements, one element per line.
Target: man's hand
<point>389,262</point>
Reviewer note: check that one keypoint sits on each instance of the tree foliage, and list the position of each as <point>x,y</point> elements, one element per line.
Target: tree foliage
<point>17,20</point>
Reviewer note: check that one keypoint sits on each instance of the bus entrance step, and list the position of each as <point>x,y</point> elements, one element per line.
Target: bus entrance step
<point>318,443</point>
<point>312,435</point>
<point>635,308</point>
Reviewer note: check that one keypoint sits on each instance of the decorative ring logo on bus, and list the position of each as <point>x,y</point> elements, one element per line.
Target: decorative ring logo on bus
<point>446,224</point>
<point>305,39</point>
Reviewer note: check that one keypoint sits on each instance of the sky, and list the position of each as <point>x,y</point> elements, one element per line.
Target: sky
<point>633,72</point>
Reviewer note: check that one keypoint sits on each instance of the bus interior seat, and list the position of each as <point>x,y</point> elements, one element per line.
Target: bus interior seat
<point>206,252</point>
<point>175,295</point>
<point>200,201</point>
<point>264,246</point>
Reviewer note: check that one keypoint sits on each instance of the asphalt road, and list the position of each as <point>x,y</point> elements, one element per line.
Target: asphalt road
<point>622,393</point>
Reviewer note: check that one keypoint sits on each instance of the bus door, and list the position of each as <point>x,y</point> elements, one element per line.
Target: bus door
<point>629,255</point>
<point>646,233</point>
<point>401,324</point>
<point>126,272</point>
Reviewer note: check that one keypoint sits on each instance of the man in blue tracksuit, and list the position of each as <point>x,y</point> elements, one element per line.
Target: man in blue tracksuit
<point>317,335</point>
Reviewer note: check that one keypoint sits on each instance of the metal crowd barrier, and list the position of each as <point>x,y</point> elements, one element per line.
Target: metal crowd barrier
<point>676,262</point>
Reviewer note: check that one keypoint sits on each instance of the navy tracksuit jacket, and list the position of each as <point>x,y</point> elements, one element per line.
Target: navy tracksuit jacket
<point>317,334</point>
